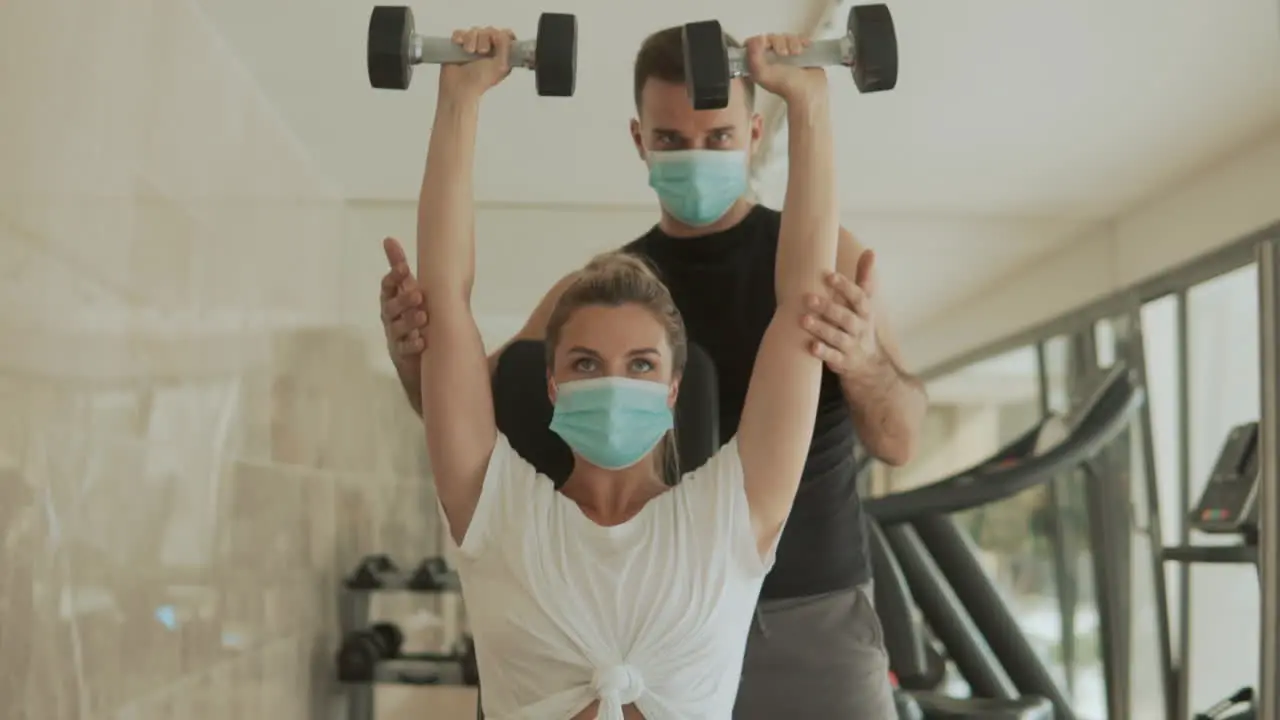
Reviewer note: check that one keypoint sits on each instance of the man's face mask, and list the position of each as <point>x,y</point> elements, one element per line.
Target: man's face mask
<point>612,422</point>
<point>698,186</point>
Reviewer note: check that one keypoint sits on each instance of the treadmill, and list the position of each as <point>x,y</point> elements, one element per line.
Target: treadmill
<point>922,560</point>
<point>1228,507</point>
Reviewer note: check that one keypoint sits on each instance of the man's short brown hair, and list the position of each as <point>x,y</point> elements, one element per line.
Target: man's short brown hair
<point>661,57</point>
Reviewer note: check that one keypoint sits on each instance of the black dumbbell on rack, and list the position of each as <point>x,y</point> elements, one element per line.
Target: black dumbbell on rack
<point>378,572</point>
<point>375,655</point>
<point>433,575</point>
<point>363,650</point>
<point>375,572</point>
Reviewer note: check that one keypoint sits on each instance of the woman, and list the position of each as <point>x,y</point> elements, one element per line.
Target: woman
<point>619,595</point>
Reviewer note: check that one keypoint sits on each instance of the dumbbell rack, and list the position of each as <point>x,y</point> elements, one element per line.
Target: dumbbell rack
<point>371,652</point>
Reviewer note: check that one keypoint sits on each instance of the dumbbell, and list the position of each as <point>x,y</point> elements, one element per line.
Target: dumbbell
<point>390,639</point>
<point>362,650</point>
<point>869,48</point>
<point>433,575</point>
<point>373,573</point>
<point>394,49</point>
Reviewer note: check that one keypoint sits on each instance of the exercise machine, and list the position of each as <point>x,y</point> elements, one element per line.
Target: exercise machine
<point>924,561</point>
<point>1228,507</point>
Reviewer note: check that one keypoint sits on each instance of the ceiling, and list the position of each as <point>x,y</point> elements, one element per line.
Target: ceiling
<point>1015,125</point>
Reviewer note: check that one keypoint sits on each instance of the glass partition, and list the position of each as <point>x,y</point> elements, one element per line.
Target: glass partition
<point>1223,391</point>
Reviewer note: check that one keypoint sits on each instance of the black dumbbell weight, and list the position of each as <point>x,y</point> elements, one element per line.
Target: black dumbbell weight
<point>434,575</point>
<point>374,572</point>
<point>362,650</point>
<point>869,48</point>
<point>390,639</point>
<point>394,49</point>
<point>358,657</point>
<point>374,655</point>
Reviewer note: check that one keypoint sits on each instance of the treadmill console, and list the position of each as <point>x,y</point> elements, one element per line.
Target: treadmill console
<point>1229,501</point>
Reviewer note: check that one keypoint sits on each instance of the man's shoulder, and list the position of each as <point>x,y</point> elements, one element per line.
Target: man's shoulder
<point>641,245</point>
<point>766,211</point>
<point>762,221</point>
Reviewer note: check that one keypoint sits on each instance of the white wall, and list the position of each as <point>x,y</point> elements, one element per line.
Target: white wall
<point>520,253</point>
<point>1214,208</point>
<point>147,185</point>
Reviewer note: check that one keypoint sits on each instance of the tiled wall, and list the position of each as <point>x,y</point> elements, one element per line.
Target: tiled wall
<point>191,452</point>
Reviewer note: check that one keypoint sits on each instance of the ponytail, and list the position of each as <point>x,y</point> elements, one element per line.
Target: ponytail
<point>670,459</point>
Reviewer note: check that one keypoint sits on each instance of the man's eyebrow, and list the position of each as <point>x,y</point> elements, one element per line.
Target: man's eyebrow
<point>721,129</point>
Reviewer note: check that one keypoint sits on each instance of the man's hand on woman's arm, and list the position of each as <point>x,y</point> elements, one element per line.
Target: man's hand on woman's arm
<point>405,317</point>
<point>856,341</point>
<point>404,321</point>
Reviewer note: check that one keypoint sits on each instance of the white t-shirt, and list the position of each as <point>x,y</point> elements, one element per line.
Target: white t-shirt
<point>653,612</point>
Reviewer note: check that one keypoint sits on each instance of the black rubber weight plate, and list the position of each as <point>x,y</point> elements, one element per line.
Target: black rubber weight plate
<point>875,62</point>
<point>390,638</point>
<point>555,59</point>
<point>706,62</point>
<point>390,30</point>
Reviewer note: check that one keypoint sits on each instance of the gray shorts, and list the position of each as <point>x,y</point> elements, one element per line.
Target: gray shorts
<point>816,658</point>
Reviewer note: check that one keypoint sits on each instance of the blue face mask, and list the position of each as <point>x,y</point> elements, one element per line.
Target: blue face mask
<point>612,422</point>
<point>698,186</point>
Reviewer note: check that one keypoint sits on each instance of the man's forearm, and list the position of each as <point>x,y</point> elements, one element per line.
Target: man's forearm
<point>411,381</point>
<point>888,407</point>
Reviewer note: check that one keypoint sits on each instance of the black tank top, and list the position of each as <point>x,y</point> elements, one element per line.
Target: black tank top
<point>723,286</point>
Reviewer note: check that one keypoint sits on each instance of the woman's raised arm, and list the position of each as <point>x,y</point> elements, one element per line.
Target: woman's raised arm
<point>457,401</point>
<point>782,399</point>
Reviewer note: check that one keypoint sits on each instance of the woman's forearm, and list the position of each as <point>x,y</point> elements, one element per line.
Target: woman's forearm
<point>810,230</point>
<point>446,213</point>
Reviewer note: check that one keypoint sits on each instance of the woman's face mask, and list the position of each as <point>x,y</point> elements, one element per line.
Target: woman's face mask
<point>612,422</point>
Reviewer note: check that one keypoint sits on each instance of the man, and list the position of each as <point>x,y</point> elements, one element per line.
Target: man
<point>817,649</point>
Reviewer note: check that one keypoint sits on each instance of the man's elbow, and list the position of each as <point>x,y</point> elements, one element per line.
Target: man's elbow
<point>896,440</point>
<point>894,451</point>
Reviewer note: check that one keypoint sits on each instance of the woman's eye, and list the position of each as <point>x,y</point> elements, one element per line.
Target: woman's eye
<point>585,365</point>
<point>641,366</point>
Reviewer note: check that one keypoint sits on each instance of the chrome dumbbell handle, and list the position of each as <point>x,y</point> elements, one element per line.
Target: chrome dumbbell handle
<point>824,53</point>
<point>444,51</point>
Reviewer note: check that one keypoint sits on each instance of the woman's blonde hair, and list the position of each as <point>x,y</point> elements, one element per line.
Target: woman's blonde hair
<point>614,279</point>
